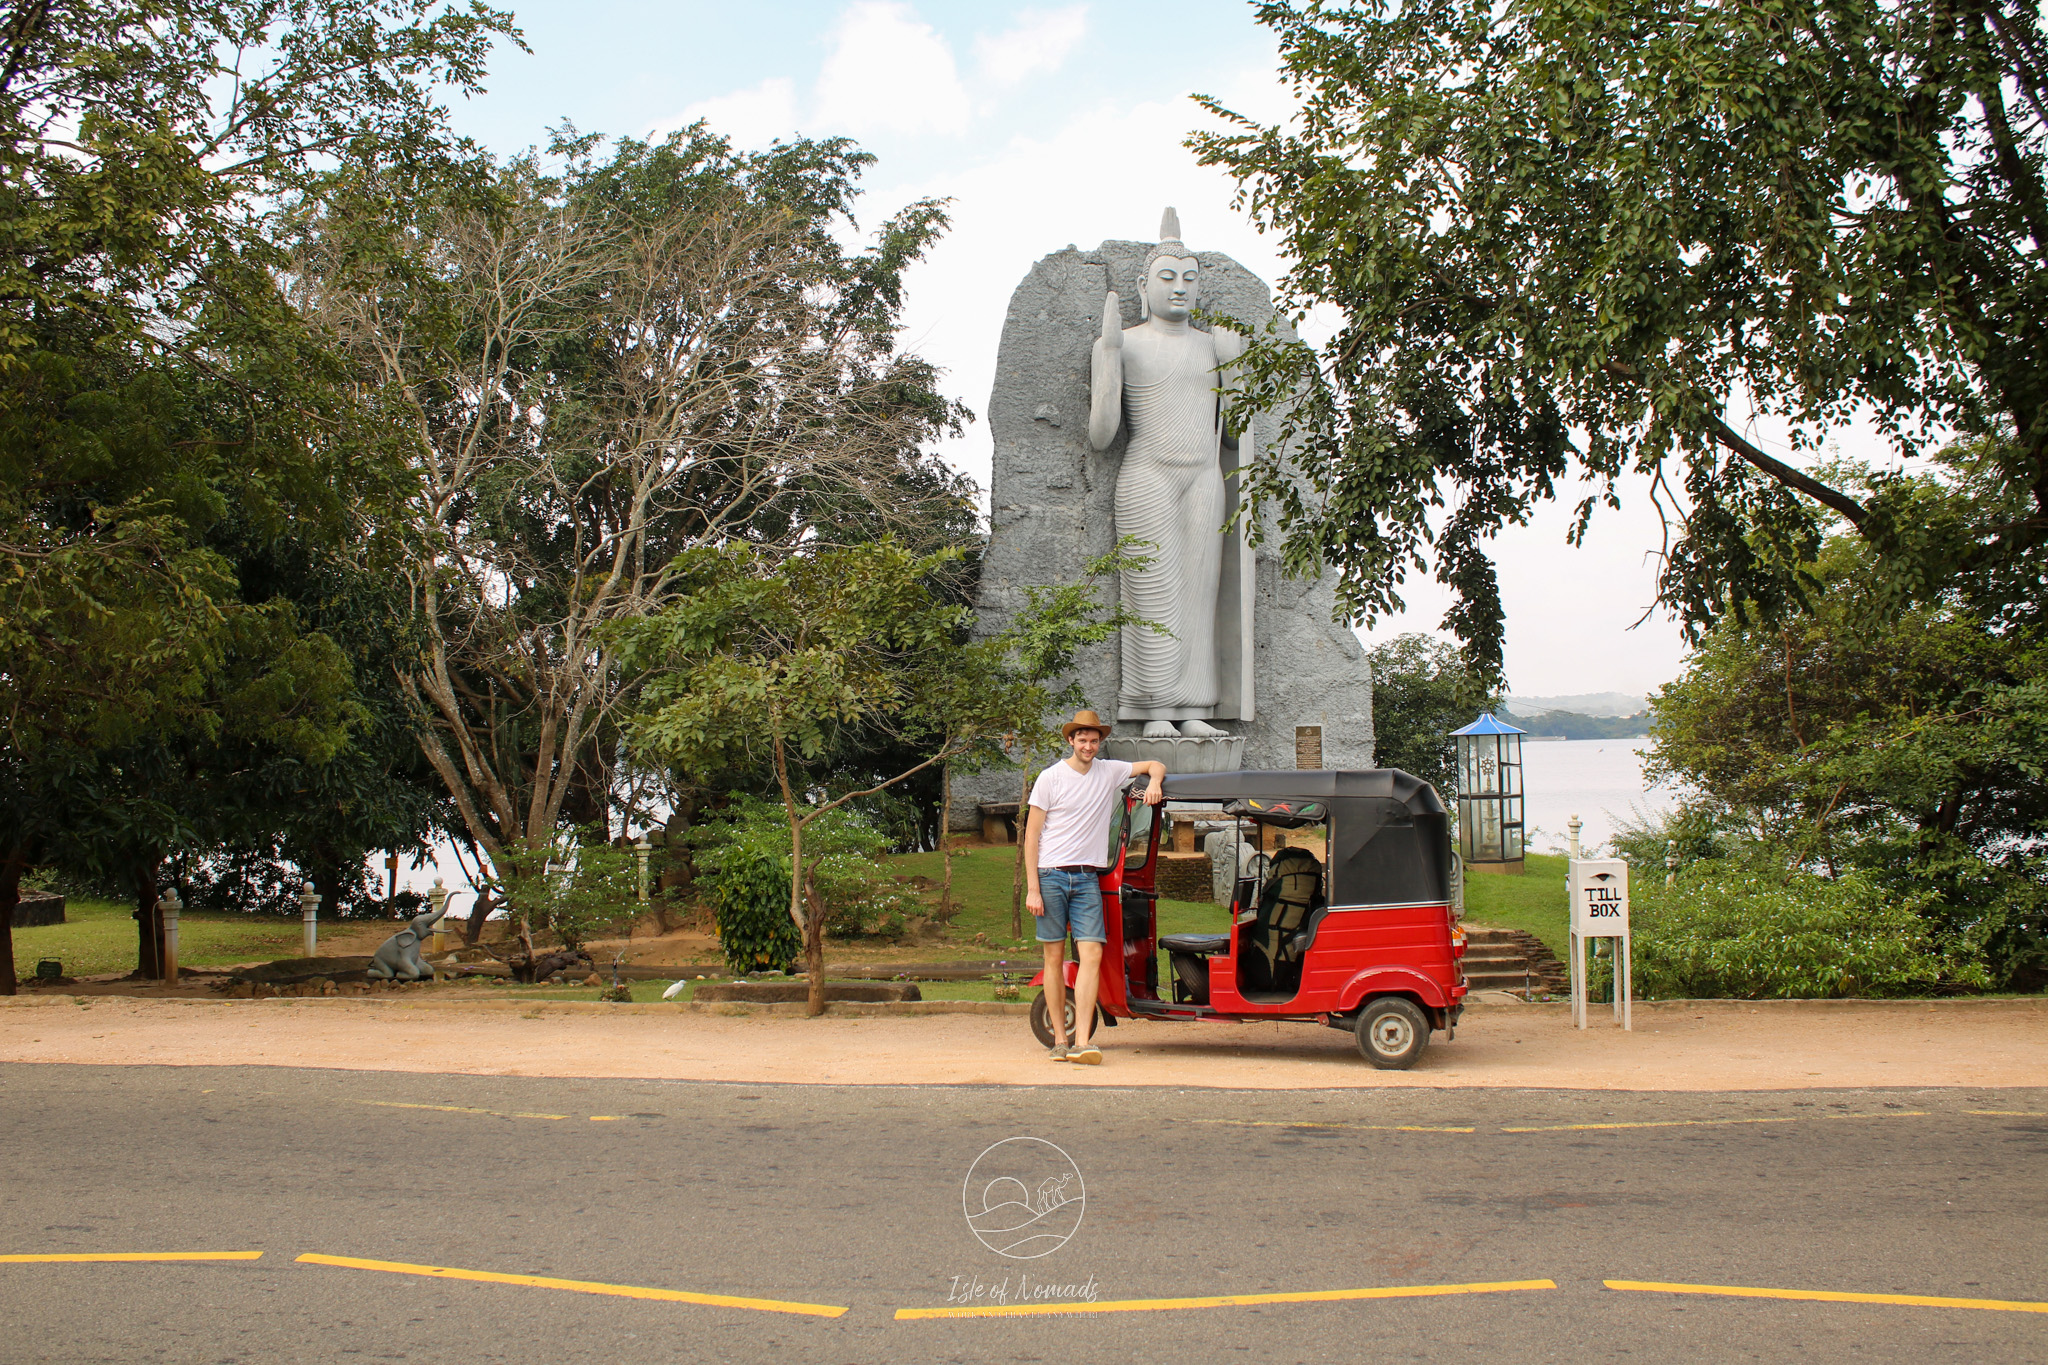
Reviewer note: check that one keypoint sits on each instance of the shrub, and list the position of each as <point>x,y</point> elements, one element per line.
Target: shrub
<point>578,891</point>
<point>1700,829</point>
<point>743,869</point>
<point>1755,930</point>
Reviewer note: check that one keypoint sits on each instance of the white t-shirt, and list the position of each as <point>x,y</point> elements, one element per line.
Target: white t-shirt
<point>1078,808</point>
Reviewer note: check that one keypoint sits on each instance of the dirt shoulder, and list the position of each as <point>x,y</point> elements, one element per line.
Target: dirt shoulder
<point>1675,1046</point>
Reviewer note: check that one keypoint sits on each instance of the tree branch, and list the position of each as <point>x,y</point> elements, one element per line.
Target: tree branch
<point>1856,513</point>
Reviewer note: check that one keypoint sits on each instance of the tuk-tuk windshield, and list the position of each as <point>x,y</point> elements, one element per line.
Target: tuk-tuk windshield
<point>1140,820</point>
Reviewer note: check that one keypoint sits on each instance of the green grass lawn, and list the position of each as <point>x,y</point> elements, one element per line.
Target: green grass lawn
<point>1534,901</point>
<point>99,936</point>
<point>981,887</point>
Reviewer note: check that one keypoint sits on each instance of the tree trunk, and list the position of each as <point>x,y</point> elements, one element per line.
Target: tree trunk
<point>11,869</point>
<point>814,949</point>
<point>479,911</point>
<point>328,883</point>
<point>1017,872</point>
<point>945,848</point>
<point>149,923</point>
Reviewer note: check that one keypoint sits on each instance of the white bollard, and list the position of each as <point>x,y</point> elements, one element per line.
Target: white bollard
<point>168,905</point>
<point>437,899</point>
<point>642,849</point>
<point>1573,826</point>
<point>309,907</point>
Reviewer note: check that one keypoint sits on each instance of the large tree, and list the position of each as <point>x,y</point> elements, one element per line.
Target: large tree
<point>1568,240</point>
<point>604,358</point>
<point>1908,742</point>
<point>776,663</point>
<point>152,374</point>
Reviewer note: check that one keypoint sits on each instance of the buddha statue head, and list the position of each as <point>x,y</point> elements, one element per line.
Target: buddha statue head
<point>1170,283</point>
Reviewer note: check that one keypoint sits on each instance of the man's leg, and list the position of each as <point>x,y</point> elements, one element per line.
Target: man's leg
<point>1055,983</point>
<point>1057,895</point>
<point>1087,984</point>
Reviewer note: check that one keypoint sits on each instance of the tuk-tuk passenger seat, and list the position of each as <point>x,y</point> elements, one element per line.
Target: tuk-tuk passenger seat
<point>1203,945</point>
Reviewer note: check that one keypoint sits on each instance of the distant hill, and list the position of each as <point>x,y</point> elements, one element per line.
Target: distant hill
<point>1572,725</point>
<point>1583,704</point>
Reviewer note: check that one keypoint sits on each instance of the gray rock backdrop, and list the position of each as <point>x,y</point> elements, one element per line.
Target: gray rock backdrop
<point>1051,504</point>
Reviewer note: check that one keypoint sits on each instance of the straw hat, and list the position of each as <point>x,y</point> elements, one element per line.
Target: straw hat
<point>1085,720</point>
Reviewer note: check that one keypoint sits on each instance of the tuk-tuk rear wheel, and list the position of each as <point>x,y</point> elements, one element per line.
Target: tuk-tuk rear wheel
<point>1392,1033</point>
<point>1041,1017</point>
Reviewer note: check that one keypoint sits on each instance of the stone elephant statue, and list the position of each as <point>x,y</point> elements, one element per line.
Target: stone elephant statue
<point>398,957</point>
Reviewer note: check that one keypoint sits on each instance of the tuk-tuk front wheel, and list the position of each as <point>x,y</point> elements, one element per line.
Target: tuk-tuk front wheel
<point>1041,1017</point>
<point>1392,1033</point>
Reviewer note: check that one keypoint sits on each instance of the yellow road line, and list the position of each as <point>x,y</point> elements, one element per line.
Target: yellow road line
<point>1362,1127</point>
<point>134,1256</point>
<point>1829,1296</point>
<point>1419,1291</point>
<point>458,1109</point>
<point>623,1291</point>
<point>1712,1123</point>
<point>2009,1113</point>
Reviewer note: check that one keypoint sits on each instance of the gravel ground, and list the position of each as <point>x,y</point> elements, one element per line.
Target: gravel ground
<point>1676,1046</point>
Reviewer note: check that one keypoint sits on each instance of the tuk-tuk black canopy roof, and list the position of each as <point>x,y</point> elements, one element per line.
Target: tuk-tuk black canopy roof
<point>1326,784</point>
<point>1389,840</point>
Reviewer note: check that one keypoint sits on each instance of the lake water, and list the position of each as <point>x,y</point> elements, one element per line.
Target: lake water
<point>1595,779</point>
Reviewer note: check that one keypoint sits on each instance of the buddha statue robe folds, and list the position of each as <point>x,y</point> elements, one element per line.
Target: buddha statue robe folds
<point>1162,380</point>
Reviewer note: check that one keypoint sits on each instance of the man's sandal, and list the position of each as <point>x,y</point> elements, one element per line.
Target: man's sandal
<point>1060,1053</point>
<point>1087,1055</point>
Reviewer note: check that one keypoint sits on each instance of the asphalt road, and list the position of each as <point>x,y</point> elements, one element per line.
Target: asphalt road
<point>852,1198</point>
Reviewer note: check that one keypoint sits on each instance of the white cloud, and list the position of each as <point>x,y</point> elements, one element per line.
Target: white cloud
<point>751,118</point>
<point>889,72</point>
<point>1038,43</point>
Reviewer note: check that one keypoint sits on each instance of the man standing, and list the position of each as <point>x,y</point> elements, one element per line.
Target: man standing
<point>1066,839</point>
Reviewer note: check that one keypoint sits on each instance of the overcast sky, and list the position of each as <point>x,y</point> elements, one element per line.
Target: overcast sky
<point>1045,125</point>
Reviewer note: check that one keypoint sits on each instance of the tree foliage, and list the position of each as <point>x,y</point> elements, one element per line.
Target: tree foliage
<point>1577,240</point>
<point>163,407</point>
<point>752,663</point>
<point>1911,742</point>
<point>1421,692</point>
<point>607,359</point>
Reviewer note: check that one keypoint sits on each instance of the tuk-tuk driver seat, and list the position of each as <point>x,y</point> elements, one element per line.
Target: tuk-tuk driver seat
<point>1271,960</point>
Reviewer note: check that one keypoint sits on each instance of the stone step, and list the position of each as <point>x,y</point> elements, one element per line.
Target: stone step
<point>1509,959</point>
<point>1503,979</point>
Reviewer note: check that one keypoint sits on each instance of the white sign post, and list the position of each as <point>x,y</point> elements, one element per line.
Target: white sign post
<point>1599,894</point>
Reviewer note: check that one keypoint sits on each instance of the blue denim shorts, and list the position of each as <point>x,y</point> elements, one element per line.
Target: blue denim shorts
<point>1073,900</point>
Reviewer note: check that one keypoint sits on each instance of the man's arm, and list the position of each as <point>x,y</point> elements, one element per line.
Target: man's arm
<point>1154,769</point>
<point>1034,825</point>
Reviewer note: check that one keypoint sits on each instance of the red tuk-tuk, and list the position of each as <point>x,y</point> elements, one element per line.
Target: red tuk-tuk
<point>1341,911</point>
